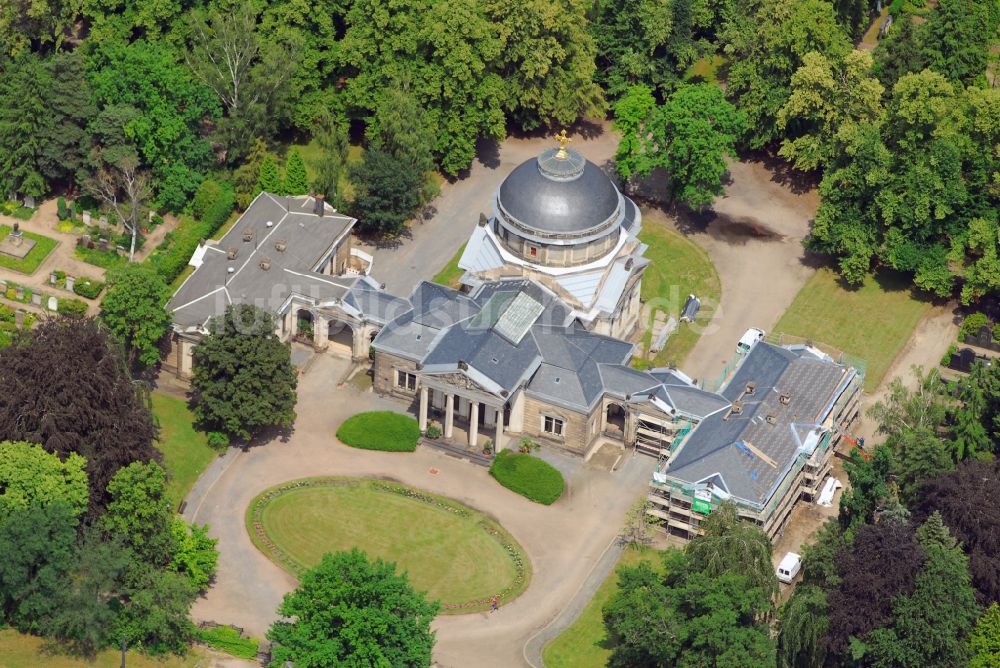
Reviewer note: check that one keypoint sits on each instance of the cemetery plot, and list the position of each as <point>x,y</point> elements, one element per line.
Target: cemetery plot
<point>23,251</point>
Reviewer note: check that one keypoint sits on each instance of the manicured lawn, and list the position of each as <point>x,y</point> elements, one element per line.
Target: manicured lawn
<point>380,430</point>
<point>227,639</point>
<point>584,643</point>
<point>22,651</point>
<point>529,476</point>
<point>186,453</point>
<point>452,552</point>
<point>872,322</point>
<point>450,273</point>
<point>29,263</point>
<point>678,268</point>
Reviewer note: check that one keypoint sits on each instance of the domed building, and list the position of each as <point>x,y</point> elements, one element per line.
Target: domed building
<point>560,220</point>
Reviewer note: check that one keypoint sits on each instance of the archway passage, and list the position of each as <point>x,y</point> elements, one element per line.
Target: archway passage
<point>341,337</point>
<point>615,418</point>
<point>304,325</point>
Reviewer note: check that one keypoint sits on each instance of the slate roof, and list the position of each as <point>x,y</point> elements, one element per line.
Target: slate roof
<point>307,237</point>
<point>557,360</point>
<point>746,455</point>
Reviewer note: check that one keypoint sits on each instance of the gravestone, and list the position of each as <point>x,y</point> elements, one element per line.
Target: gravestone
<point>29,201</point>
<point>86,217</point>
<point>36,299</point>
<point>104,244</point>
<point>70,281</point>
<point>19,293</point>
<point>103,220</point>
<point>18,318</point>
<point>3,287</point>
<point>53,304</point>
<point>53,278</point>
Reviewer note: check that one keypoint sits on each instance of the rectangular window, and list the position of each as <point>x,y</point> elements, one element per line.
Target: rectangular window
<point>552,425</point>
<point>405,380</point>
<point>533,251</point>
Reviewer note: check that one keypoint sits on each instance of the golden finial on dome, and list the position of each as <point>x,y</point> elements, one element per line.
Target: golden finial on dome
<point>563,140</point>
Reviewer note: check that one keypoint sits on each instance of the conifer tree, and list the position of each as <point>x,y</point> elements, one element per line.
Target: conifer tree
<point>269,178</point>
<point>296,181</point>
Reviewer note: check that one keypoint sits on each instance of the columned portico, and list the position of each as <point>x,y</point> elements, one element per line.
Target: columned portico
<point>477,412</point>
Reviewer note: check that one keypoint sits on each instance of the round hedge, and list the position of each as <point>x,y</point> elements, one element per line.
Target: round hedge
<point>380,430</point>
<point>529,476</point>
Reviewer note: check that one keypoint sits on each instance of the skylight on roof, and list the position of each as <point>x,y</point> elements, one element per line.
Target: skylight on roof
<point>518,318</point>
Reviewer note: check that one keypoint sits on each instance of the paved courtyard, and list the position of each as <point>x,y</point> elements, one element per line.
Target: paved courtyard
<point>563,541</point>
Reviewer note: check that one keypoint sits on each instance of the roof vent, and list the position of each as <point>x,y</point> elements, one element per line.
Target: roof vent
<point>772,418</point>
<point>737,408</point>
<point>248,235</point>
<point>464,366</point>
<point>557,379</point>
<point>785,398</point>
<point>751,386</point>
<point>280,245</point>
<point>265,263</point>
<point>231,253</point>
<point>269,223</point>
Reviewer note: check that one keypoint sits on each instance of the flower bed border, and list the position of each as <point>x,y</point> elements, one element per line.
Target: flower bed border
<point>522,568</point>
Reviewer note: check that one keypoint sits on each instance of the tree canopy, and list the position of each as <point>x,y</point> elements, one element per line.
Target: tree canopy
<point>133,311</point>
<point>65,387</point>
<point>349,610</point>
<point>243,379</point>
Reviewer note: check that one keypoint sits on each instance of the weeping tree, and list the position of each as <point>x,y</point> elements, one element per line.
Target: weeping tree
<point>65,386</point>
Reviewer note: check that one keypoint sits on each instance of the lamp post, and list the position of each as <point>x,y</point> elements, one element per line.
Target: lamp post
<point>124,645</point>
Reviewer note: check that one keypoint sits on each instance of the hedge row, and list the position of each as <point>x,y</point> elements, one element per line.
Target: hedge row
<point>171,256</point>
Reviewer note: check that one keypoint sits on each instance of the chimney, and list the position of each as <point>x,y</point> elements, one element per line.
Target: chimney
<point>483,221</point>
<point>280,245</point>
<point>265,263</point>
<point>231,253</point>
<point>785,398</point>
<point>319,209</point>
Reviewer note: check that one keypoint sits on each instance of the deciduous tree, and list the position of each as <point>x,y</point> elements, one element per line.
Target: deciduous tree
<point>134,311</point>
<point>31,477</point>
<point>65,387</point>
<point>348,610</point>
<point>243,377</point>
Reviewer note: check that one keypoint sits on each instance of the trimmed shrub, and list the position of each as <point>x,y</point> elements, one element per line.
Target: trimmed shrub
<point>380,430</point>
<point>6,313</point>
<point>72,308</point>
<point>529,476</point>
<point>227,639</point>
<point>62,211</point>
<point>972,323</point>
<point>217,440</point>
<point>88,287</point>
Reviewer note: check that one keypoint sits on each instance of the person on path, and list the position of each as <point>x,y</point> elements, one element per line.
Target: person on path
<point>494,604</point>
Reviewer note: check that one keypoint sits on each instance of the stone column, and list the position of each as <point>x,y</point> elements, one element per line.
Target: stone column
<point>449,420</point>
<point>498,442</point>
<point>321,331</point>
<point>474,423</point>
<point>422,420</point>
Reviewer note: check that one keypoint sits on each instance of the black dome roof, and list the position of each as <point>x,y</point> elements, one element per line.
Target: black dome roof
<point>559,193</point>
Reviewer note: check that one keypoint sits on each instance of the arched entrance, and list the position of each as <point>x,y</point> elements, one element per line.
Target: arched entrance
<point>304,325</point>
<point>615,419</point>
<point>340,336</point>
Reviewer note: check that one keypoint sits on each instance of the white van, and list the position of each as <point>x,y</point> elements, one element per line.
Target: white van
<point>749,340</point>
<point>789,567</point>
